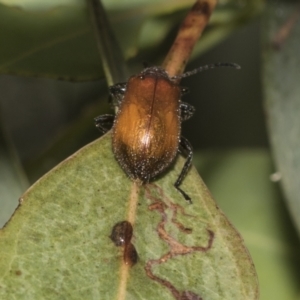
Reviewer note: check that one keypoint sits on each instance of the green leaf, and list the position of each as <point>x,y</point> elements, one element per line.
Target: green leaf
<point>12,182</point>
<point>69,139</point>
<point>57,243</point>
<point>282,93</point>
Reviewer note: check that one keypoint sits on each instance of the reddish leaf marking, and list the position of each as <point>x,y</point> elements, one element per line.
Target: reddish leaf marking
<point>176,248</point>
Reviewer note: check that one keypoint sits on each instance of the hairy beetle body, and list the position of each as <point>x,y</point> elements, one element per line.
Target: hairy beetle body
<point>146,131</point>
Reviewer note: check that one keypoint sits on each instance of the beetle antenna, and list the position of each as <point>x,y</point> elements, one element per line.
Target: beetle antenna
<point>206,67</point>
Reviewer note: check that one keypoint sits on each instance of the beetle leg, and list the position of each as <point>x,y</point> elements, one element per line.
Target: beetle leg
<point>104,122</point>
<point>185,148</point>
<point>117,91</point>
<point>186,110</point>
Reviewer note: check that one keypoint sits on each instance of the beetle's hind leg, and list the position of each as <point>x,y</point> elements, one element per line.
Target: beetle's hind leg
<point>185,148</point>
<point>104,122</point>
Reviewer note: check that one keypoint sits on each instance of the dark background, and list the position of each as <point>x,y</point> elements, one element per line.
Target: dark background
<point>229,109</point>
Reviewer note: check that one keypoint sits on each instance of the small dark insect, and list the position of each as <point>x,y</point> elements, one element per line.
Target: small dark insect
<point>146,130</point>
<point>121,233</point>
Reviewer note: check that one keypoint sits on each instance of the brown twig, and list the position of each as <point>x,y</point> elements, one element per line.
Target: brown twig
<point>285,30</point>
<point>188,34</point>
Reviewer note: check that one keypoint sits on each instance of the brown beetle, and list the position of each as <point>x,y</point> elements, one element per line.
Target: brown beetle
<point>146,130</point>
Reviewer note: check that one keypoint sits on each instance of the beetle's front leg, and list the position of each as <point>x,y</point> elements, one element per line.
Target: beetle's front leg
<point>185,148</point>
<point>117,91</point>
<point>104,122</point>
<point>186,110</point>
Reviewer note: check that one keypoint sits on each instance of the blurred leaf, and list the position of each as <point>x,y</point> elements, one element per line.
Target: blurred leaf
<point>68,140</point>
<point>113,61</point>
<point>39,5</point>
<point>57,243</point>
<point>59,42</point>
<point>12,182</point>
<point>40,43</point>
<point>225,20</point>
<point>240,180</point>
<point>282,95</point>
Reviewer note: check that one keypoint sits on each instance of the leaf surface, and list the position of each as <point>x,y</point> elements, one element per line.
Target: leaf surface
<point>57,243</point>
<point>282,93</point>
